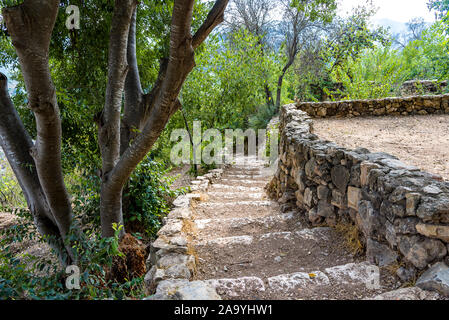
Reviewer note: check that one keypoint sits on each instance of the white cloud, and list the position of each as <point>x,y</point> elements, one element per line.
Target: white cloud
<point>397,10</point>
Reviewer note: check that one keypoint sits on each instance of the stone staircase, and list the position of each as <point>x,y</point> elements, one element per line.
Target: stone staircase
<point>247,246</point>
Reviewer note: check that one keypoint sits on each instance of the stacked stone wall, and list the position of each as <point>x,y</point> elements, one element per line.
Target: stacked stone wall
<point>414,105</point>
<point>402,212</point>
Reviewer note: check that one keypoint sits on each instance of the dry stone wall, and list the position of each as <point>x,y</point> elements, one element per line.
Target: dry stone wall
<point>402,212</point>
<point>414,105</point>
<point>416,87</point>
<point>171,262</point>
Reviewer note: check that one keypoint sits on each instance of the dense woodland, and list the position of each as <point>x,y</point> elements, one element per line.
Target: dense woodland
<point>132,73</point>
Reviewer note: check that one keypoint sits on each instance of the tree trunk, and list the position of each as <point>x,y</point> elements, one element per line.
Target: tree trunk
<point>122,144</point>
<point>109,122</point>
<point>281,80</point>
<point>30,26</point>
<point>16,144</point>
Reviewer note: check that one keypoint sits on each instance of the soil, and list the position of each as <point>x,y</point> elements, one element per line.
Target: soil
<point>182,177</point>
<point>422,141</point>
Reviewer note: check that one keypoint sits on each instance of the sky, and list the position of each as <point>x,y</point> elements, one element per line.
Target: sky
<point>397,10</point>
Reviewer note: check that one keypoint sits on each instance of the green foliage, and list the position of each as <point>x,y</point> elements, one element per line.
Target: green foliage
<point>149,197</point>
<point>31,277</point>
<point>10,192</point>
<point>225,88</point>
<point>263,116</point>
<point>372,76</point>
<point>351,37</point>
<point>379,72</point>
<point>441,6</point>
<point>428,58</point>
<point>324,63</point>
<point>323,10</point>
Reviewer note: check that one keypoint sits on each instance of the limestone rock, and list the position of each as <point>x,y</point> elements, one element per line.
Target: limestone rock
<point>369,219</point>
<point>436,279</point>
<point>314,218</point>
<point>365,168</point>
<point>354,196</point>
<point>340,177</point>
<point>421,252</point>
<point>380,254</point>
<point>412,293</point>
<point>434,231</point>
<point>308,197</point>
<point>179,271</point>
<point>184,290</point>
<point>406,274</point>
<point>325,209</point>
<point>412,201</point>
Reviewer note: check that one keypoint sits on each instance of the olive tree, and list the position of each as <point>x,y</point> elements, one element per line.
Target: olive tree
<point>128,126</point>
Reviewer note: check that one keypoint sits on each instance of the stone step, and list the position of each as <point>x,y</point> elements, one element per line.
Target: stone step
<point>236,196</point>
<point>235,209</point>
<point>268,254</point>
<point>217,187</point>
<point>242,182</point>
<point>316,234</point>
<point>251,203</point>
<point>338,282</point>
<point>256,177</point>
<point>238,287</point>
<point>236,225</point>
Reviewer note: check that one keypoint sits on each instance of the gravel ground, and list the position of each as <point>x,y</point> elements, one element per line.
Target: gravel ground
<point>422,141</point>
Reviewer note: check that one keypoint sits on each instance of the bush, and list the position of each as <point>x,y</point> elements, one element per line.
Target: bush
<point>148,198</point>
<point>263,116</point>
<point>32,277</point>
<point>10,192</point>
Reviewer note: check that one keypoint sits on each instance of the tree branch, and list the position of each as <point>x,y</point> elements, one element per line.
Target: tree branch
<point>214,18</point>
<point>180,63</point>
<point>134,108</point>
<point>109,124</point>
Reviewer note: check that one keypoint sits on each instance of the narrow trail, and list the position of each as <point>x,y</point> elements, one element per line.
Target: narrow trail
<point>248,248</point>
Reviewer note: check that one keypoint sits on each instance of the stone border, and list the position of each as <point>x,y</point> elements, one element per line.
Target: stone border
<point>414,105</point>
<point>171,262</point>
<point>403,213</point>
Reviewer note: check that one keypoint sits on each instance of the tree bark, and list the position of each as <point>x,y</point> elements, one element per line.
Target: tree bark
<point>122,144</point>
<point>280,81</point>
<point>16,144</point>
<point>30,26</point>
<point>109,122</point>
<point>163,101</point>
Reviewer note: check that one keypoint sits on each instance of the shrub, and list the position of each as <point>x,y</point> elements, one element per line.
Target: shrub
<point>148,197</point>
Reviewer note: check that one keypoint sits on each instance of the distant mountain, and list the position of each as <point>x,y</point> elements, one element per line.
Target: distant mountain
<point>395,26</point>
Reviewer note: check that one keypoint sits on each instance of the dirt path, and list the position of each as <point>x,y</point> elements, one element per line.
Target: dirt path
<point>422,141</point>
<point>247,248</point>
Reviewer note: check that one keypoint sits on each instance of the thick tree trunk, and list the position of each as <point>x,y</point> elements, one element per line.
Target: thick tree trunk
<point>16,144</point>
<point>122,145</point>
<point>30,25</point>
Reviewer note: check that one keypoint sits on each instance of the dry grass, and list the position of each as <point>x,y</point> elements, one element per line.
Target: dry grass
<point>190,231</point>
<point>352,237</point>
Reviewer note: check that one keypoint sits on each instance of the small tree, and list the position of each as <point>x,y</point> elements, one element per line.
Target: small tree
<point>299,18</point>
